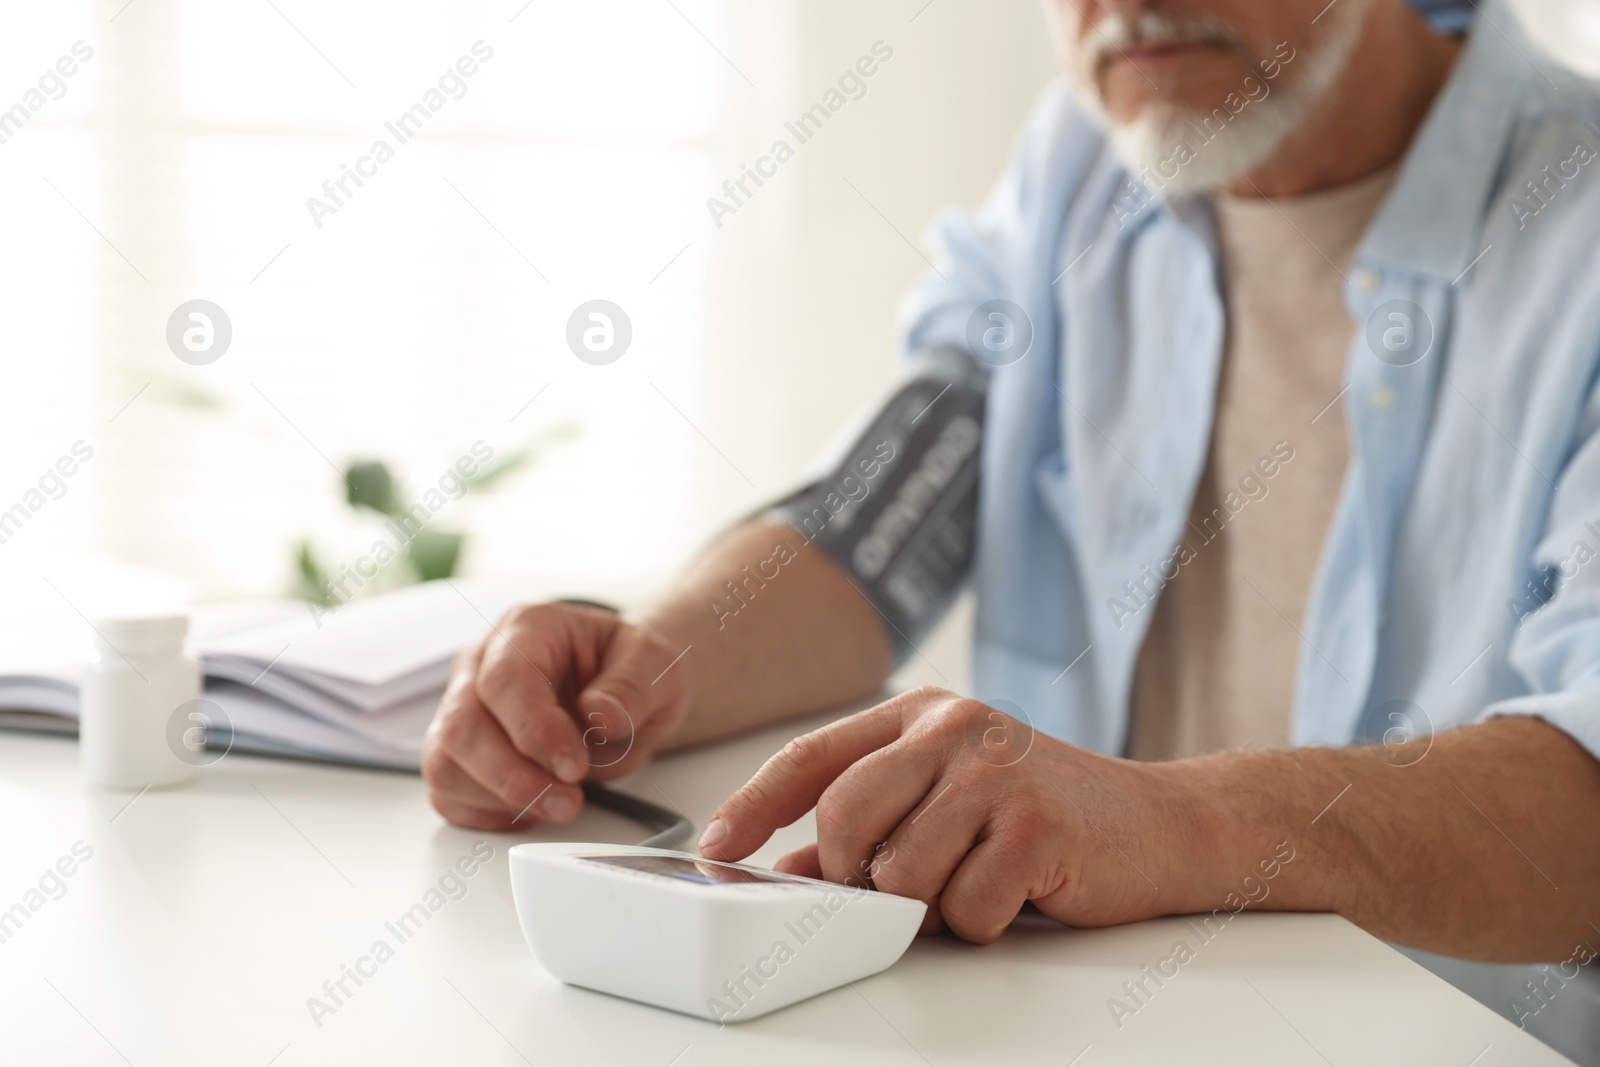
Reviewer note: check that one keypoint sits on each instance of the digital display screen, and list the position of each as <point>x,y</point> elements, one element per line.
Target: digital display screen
<point>695,871</point>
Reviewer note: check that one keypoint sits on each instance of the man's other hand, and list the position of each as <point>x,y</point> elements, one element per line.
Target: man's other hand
<point>554,694</point>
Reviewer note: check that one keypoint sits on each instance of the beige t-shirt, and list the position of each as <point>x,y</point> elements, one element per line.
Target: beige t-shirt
<point>1217,667</point>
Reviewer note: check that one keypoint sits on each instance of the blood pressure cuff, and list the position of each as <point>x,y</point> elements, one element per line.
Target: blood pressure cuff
<point>899,512</point>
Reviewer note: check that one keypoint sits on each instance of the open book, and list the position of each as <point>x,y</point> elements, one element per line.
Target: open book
<point>355,685</point>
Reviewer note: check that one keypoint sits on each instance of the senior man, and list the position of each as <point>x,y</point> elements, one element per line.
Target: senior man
<point>1259,404</point>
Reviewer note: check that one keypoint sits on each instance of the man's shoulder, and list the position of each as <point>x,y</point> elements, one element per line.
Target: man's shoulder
<point>1551,152</point>
<point>1564,105</point>
<point>1548,194</point>
<point>1527,298</point>
<point>1063,159</point>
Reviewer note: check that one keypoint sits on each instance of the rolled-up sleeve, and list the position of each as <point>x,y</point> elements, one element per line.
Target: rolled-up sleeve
<point>1556,649</point>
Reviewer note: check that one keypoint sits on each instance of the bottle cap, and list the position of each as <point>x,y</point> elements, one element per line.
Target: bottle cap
<point>153,624</point>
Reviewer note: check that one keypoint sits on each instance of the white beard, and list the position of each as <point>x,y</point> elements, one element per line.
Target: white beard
<point>1170,145</point>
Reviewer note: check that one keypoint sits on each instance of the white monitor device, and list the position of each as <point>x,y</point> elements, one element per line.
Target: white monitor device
<point>722,941</point>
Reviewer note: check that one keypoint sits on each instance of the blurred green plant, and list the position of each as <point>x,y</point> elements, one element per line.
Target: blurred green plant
<point>426,554</point>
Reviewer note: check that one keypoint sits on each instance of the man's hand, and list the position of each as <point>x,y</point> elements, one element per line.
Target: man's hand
<point>554,694</point>
<point>945,799</point>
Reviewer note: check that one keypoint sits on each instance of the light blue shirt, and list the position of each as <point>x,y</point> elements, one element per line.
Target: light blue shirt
<point>1460,577</point>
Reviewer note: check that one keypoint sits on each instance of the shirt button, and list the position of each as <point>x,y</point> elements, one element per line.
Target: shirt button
<point>1366,280</point>
<point>1383,397</point>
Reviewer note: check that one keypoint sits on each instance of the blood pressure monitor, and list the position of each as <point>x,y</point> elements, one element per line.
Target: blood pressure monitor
<point>723,941</point>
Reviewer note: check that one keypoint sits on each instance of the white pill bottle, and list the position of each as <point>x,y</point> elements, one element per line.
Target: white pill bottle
<point>140,683</point>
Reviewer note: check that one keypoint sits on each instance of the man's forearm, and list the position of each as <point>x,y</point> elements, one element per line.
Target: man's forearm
<point>1481,845</point>
<point>773,629</point>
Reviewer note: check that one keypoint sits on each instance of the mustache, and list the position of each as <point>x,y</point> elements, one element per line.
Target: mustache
<point>1116,32</point>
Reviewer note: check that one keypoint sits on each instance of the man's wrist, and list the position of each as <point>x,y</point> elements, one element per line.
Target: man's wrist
<point>1202,835</point>
<point>1241,822</point>
<point>674,623</point>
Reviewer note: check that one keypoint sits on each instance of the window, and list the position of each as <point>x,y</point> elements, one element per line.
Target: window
<point>204,151</point>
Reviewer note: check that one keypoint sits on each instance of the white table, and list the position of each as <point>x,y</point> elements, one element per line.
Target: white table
<point>207,916</point>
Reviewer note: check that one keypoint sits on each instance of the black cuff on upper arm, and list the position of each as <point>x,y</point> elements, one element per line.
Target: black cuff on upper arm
<point>899,513</point>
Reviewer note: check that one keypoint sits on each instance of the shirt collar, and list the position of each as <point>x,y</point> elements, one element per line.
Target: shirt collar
<point>1433,220</point>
